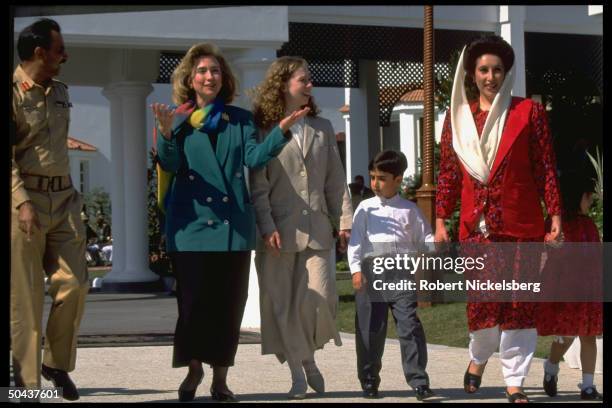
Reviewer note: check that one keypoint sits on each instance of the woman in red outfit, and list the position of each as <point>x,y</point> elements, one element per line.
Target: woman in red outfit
<point>492,144</point>
<point>568,319</point>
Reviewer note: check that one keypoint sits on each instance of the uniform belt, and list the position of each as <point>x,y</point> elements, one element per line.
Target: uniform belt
<point>46,183</point>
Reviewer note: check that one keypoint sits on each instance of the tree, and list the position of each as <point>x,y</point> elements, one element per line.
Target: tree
<point>97,201</point>
<point>158,261</point>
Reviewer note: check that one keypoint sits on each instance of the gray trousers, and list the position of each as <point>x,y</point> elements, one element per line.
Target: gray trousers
<point>371,333</point>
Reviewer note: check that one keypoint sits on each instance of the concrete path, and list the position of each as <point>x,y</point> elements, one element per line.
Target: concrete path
<point>144,374</point>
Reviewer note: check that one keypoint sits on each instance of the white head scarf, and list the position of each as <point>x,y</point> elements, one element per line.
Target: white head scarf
<point>478,155</point>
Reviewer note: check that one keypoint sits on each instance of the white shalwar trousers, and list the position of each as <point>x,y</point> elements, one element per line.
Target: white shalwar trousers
<point>516,348</point>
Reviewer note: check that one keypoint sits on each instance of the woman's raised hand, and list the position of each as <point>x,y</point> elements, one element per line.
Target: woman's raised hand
<point>290,120</point>
<point>164,115</point>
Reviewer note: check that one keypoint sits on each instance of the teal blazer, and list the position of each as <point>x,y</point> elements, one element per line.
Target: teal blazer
<point>208,207</point>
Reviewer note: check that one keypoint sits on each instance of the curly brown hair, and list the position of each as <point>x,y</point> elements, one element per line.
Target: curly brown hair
<point>183,74</point>
<point>268,96</point>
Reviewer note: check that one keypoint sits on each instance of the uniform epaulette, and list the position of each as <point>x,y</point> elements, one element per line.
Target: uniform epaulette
<point>23,85</point>
<point>60,83</point>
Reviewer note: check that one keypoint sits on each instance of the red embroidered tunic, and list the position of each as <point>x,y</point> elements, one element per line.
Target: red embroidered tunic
<point>488,199</point>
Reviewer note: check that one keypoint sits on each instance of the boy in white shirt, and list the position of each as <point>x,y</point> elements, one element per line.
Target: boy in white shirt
<point>387,225</point>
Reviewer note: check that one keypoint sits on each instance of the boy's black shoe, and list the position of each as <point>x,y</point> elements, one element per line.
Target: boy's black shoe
<point>590,394</point>
<point>370,390</point>
<point>550,384</point>
<point>423,392</point>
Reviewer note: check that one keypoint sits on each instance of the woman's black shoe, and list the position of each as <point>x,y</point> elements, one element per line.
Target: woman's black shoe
<point>223,396</point>
<point>513,398</point>
<point>471,380</point>
<point>188,395</point>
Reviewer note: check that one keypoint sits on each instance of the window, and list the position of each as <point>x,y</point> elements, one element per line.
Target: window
<point>84,176</point>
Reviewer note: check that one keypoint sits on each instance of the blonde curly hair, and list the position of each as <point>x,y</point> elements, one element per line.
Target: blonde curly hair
<point>183,74</point>
<point>268,96</point>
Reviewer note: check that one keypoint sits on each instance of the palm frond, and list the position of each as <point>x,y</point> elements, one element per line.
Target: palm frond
<point>597,163</point>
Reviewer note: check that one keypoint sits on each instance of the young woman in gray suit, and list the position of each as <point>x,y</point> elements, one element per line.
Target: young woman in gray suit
<point>298,197</point>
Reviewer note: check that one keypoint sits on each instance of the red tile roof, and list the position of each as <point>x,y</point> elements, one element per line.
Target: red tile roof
<point>75,144</point>
<point>416,95</point>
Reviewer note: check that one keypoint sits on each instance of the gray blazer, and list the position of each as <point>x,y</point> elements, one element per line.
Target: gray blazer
<point>300,195</point>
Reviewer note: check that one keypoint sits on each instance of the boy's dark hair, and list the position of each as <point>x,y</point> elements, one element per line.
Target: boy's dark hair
<point>574,183</point>
<point>35,35</point>
<point>389,161</point>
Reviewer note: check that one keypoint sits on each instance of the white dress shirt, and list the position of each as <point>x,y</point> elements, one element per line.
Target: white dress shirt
<point>383,226</point>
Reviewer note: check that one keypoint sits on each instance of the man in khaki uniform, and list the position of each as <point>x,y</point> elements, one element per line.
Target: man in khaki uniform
<point>47,234</point>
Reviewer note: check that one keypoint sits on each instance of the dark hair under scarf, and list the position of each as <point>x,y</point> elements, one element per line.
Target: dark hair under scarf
<point>492,44</point>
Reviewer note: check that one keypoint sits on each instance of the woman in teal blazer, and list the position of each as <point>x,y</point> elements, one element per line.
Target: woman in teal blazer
<point>210,220</point>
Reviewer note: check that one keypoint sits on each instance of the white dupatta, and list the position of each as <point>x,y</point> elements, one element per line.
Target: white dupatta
<point>478,154</point>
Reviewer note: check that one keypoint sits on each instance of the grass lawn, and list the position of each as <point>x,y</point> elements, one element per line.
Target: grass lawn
<point>98,272</point>
<point>444,324</point>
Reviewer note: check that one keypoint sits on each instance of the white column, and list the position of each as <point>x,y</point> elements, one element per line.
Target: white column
<point>363,135</point>
<point>512,29</point>
<point>348,147</point>
<point>117,196</point>
<point>132,96</point>
<point>409,140</point>
<point>595,10</point>
<point>250,67</point>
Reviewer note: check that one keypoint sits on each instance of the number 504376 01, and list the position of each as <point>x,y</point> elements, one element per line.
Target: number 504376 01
<point>34,394</point>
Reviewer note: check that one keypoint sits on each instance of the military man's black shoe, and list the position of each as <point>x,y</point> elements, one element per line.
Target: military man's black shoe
<point>60,378</point>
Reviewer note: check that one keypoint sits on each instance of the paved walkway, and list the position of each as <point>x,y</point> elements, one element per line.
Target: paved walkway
<point>139,374</point>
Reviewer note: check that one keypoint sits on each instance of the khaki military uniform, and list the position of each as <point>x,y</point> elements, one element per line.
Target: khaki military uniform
<point>41,174</point>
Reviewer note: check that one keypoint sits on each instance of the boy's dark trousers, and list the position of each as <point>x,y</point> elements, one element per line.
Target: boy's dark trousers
<point>371,333</point>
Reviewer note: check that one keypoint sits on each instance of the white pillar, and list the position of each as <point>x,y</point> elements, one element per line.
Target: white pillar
<point>409,144</point>
<point>348,148</point>
<point>117,196</point>
<point>512,29</point>
<point>132,96</point>
<point>250,67</point>
<point>363,134</point>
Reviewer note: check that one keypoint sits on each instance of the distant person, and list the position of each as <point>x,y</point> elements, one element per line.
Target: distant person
<point>380,220</point>
<point>104,229</point>
<point>47,234</point>
<point>105,237</point>
<point>298,197</point>
<point>209,218</point>
<point>359,191</point>
<point>90,234</point>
